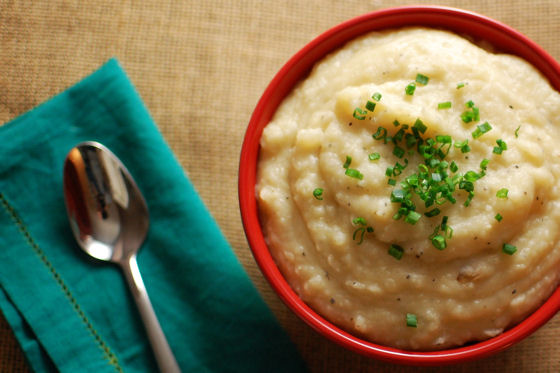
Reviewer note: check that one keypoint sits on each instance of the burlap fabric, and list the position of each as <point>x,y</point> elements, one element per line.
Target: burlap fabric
<point>200,67</point>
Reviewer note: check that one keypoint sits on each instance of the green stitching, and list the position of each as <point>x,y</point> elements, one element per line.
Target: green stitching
<point>109,355</point>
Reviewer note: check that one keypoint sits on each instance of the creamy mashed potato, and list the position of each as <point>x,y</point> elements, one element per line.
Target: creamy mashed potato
<point>334,247</point>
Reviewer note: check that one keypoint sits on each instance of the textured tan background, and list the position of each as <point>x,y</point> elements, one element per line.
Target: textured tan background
<point>200,67</point>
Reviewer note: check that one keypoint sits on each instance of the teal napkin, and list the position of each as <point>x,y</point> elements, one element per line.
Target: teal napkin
<point>73,314</point>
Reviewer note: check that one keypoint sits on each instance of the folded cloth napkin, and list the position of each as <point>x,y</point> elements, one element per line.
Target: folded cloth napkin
<point>73,314</point>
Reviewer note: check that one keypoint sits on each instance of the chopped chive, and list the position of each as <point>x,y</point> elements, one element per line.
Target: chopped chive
<point>318,193</point>
<point>476,114</point>
<point>381,133</point>
<point>370,105</point>
<point>410,140</point>
<point>361,230</point>
<point>509,249</point>
<point>444,105</point>
<point>460,85</point>
<point>467,116</point>
<point>398,151</point>
<point>444,222</point>
<point>484,164</point>
<point>389,171</point>
<point>397,195</point>
<point>502,193</point>
<point>396,251</point>
<point>439,242</point>
<point>422,79</point>
<point>517,131</point>
<point>411,320</point>
<point>453,167</point>
<point>471,176</point>
<point>500,148</point>
<point>469,199</point>
<point>420,126</point>
<point>481,129</point>
<point>412,217</point>
<point>472,114</point>
<point>359,113</point>
<point>392,182</point>
<point>410,88</point>
<point>412,180</point>
<point>444,139</point>
<point>463,145</point>
<point>435,211</point>
<point>354,173</point>
<point>376,96</point>
<point>396,123</point>
<point>347,162</point>
<point>374,156</point>
<point>498,217</point>
<point>359,221</point>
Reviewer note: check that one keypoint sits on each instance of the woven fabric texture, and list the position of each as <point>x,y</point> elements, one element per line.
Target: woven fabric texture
<point>200,67</point>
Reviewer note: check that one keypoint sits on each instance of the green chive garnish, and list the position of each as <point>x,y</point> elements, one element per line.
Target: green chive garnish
<point>374,156</point>
<point>460,85</point>
<point>347,162</point>
<point>412,217</point>
<point>463,145</point>
<point>472,113</point>
<point>509,249</point>
<point>501,147</point>
<point>398,151</point>
<point>318,193</point>
<point>359,221</point>
<point>354,173</point>
<point>453,167</point>
<point>498,217</point>
<point>359,113</point>
<point>411,320</point>
<point>376,96</point>
<point>381,133</point>
<point>422,79</point>
<point>444,105</point>
<point>370,105</point>
<point>361,230</point>
<point>398,195</point>
<point>502,193</point>
<point>444,139</point>
<point>410,88</point>
<point>439,242</point>
<point>420,126</point>
<point>396,251</point>
<point>517,132</point>
<point>389,171</point>
<point>435,211</point>
<point>481,129</point>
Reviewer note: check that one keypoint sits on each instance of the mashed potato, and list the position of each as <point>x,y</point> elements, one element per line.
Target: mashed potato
<point>346,220</point>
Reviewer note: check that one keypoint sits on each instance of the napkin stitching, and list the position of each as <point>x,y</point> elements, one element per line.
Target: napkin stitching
<point>109,355</point>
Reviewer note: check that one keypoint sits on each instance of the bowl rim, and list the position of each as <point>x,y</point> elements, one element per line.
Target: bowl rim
<point>296,68</point>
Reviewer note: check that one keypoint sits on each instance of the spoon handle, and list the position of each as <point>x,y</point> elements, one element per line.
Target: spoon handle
<point>163,354</point>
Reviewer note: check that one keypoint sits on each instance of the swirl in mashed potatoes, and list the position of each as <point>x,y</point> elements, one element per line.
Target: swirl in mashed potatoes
<point>334,247</point>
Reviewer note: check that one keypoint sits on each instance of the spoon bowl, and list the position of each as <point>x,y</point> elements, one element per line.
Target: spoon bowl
<point>109,219</point>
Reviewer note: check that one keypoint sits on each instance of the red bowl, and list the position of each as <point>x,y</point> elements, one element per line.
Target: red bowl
<point>503,38</point>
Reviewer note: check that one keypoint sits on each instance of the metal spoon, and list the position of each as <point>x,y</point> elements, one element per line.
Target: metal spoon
<point>109,219</point>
